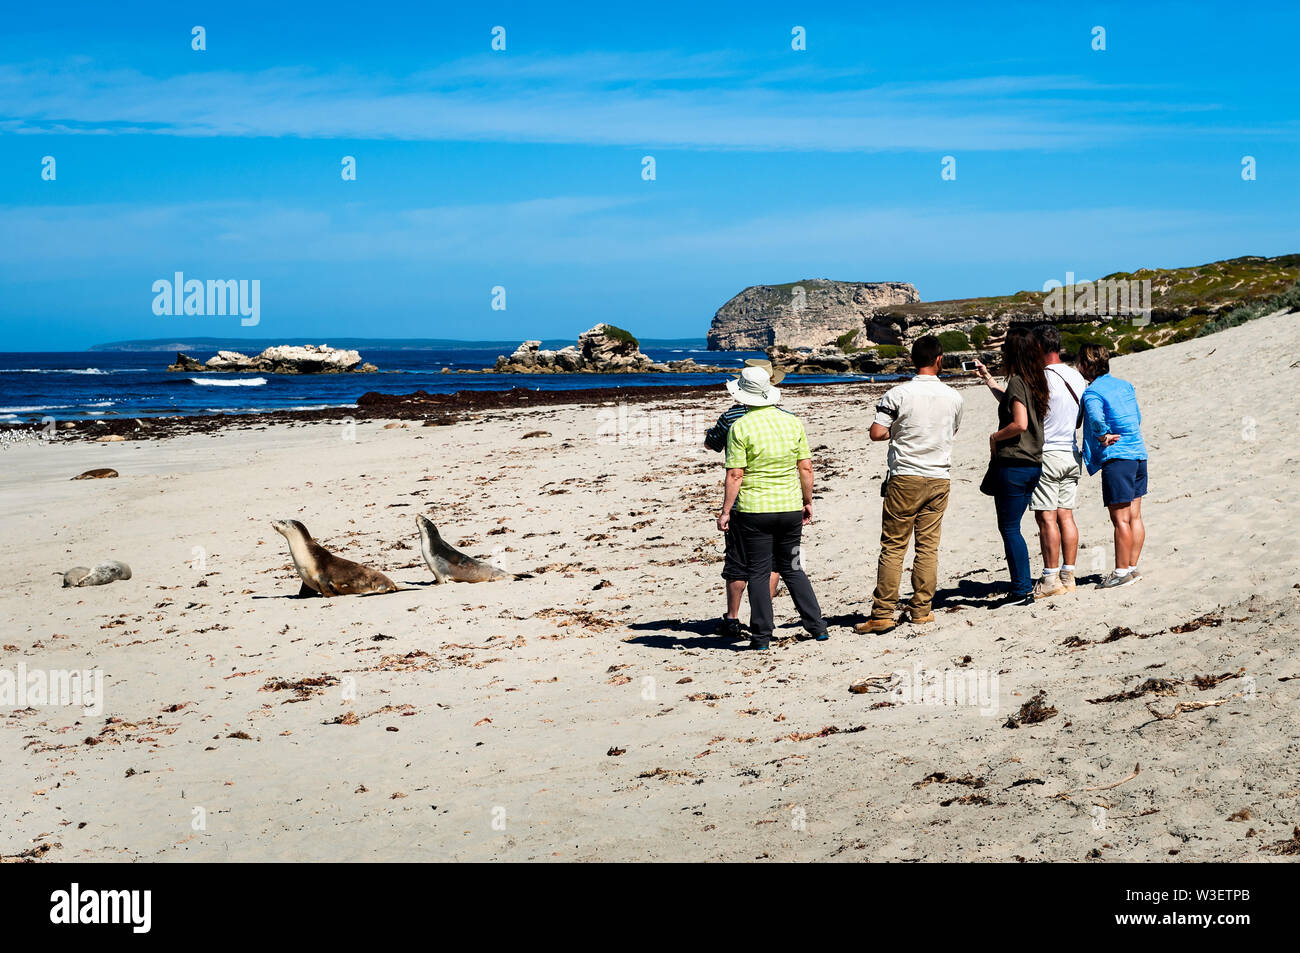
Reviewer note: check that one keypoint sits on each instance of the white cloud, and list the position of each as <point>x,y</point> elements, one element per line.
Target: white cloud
<point>651,100</point>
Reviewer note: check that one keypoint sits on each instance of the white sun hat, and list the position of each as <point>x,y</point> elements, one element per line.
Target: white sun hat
<point>754,387</point>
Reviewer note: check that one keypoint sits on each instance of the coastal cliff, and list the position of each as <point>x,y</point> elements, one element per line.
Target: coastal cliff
<point>807,313</point>
<point>1127,311</point>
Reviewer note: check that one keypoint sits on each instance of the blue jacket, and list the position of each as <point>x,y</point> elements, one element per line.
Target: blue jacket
<point>1110,406</point>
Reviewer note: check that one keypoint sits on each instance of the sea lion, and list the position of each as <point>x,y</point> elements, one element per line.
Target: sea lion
<point>102,574</point>
<point>324,573</point>
<point>449,564</point>
<point>99,473</point>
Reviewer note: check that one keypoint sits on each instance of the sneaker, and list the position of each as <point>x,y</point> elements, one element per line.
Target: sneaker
<point>874,625</point>
<point>730,628</point>
<point>761,644</point>
<point>1115,580</point>
<point>1025,600</point>
<point>916,619</point>
<point>813,636</point>
<point>1048,586</point>
<point>1135,574</point>
<point>1067,579</point>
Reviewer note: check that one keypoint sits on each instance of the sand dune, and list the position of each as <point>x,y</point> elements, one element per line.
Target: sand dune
<point>588,713</point>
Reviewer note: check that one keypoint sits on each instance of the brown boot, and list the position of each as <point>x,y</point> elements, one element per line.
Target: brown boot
<point>874,625</point>
<point>917,619</point>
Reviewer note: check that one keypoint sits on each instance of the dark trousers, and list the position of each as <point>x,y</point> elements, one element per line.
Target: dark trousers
<point>1014,489</point>
<point>770,542</point>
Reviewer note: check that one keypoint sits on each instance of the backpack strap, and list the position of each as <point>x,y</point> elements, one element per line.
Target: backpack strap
<point>1068,387</point>
<point>1078,420</point>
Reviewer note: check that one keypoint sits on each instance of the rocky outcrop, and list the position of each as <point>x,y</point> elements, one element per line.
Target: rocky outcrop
<point>185,363</point>
<point>810,313</point>
<point>281,359</point>
<point>604,349</point>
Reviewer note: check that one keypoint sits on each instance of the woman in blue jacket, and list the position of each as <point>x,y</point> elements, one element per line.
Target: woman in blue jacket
<point>1112,443</point>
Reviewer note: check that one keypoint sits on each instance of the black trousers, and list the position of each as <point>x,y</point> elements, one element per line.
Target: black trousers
<point>771,541</point>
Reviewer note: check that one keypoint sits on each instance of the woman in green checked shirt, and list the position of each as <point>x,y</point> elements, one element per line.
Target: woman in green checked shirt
<point>769,483</point>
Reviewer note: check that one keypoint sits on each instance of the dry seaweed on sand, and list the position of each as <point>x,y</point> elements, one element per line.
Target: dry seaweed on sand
<point>1032,712</point>
<point>1137,769</point>
<point>1182,707</point>
<point>1152,686</point>
<point>1206,682</point>
<point>940,777</point>
<point>1288,847</point>
<point>872,683</point>
<point>1210,620</point>
<point>825,732</point>
<point>975,799</point>
<point>302,687</point>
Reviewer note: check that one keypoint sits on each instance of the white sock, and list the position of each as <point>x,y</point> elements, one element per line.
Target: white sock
<point>1069,569</point>
<point>1122,572</point>
<point>1049,572</point>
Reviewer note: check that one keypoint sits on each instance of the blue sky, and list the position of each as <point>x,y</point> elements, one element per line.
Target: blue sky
<point>522,168</point>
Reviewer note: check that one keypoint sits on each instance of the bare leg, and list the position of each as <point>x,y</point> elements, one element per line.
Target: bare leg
<point>1119,517</point>
<point>776,583</point>
<point>1049,538</point>
<point>1069,536</point>
<point>1139,532</point>
<point>735,591</point>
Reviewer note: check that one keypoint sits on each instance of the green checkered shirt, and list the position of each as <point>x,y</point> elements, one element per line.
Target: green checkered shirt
<point>768,444</point>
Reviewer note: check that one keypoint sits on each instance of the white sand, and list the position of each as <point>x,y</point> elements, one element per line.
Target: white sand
<point>491,740</point>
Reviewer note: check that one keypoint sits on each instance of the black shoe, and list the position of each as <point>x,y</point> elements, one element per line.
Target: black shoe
<point>730,628</point>
<point>1025,600</point>
<point>761,644</point>
<point>813,636</point>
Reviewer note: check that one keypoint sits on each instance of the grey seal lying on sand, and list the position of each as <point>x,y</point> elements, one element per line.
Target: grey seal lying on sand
<point>103,573</point>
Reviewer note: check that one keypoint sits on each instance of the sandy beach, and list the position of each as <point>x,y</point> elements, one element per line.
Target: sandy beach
<point>588,712</point>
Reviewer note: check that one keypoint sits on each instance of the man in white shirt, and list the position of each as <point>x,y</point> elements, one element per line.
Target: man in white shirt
<point>1054,497</point>
<point>919,419</point>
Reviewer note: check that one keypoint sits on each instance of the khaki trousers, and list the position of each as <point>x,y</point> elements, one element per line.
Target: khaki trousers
<point>913,506</point>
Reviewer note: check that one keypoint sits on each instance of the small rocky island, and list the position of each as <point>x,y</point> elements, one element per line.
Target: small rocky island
<point>605,349</point>
<point>281,359</point>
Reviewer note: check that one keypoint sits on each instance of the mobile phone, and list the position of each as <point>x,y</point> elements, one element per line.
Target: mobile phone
<point>968,365</point>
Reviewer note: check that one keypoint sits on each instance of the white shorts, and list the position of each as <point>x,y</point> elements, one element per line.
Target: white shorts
<point>1059,485</point>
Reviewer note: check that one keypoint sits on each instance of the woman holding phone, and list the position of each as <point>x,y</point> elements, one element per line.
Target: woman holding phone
<point>1016,448</point>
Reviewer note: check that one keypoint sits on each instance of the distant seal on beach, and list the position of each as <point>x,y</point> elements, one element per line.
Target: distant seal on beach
<point>103,573</point>
<point>449,564</point>
<point>99,473</point>
<point>324,573</point>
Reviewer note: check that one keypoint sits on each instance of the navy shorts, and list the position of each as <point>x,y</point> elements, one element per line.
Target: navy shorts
<point>1123,481</point>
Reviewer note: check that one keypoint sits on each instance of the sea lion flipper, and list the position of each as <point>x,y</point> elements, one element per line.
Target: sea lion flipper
<point>306,591</point>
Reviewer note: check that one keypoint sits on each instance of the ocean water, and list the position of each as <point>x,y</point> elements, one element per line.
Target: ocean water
<point>89,384</point>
